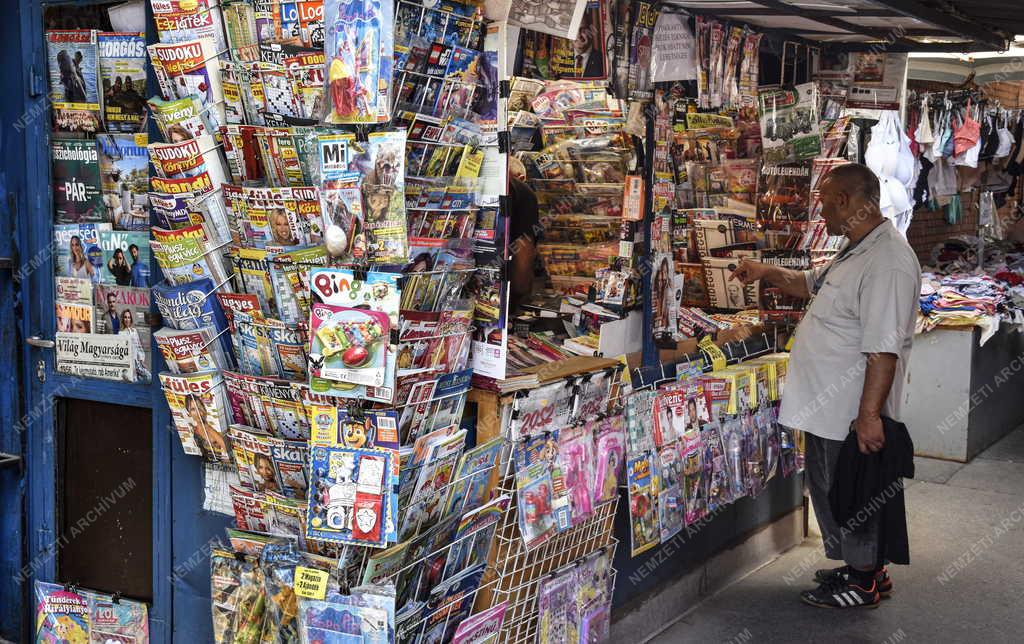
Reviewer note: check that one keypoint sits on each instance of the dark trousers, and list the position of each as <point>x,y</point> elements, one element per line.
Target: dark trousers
<point>856,544</point>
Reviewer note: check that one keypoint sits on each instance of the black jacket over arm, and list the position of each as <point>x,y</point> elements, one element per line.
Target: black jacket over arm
<point>869,484</point>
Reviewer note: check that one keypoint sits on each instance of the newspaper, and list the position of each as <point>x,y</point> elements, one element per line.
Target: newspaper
<point>93,355</point>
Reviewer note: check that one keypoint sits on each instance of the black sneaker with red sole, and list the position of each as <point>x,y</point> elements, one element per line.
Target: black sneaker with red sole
<point>840,592</point>
<point>882,578</point>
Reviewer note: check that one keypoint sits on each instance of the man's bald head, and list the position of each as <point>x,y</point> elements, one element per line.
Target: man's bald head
<point>850,199</point>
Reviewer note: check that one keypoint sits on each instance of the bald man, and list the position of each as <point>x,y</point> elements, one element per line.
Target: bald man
<point>847,366</point>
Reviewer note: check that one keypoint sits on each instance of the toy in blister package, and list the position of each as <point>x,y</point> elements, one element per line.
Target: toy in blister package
<point>575,457</point>
<point>360,54</point>
<point>558,619</point>
<point>536,520</point>
<point>610,449</point>
<point>693,477</point>
<point>348,345</point>
<point>350,495</point>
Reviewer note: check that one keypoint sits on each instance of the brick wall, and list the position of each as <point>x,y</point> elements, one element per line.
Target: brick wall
<point>929,227</point>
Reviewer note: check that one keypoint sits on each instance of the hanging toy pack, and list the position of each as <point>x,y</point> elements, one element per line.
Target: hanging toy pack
<point>360,53</point>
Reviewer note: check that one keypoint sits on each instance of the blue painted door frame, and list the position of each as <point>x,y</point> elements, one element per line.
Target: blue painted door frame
<point>182,532</point>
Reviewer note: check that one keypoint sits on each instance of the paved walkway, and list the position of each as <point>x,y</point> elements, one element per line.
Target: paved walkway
<point>966,583</point>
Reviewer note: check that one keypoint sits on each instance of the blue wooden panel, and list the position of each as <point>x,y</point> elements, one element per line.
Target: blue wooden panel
<point>12,201</point>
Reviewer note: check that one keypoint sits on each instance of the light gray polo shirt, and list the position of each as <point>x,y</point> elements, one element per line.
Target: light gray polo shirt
<point>865,301</point>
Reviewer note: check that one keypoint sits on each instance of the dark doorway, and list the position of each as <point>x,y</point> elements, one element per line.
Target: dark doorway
<point>105,497</point>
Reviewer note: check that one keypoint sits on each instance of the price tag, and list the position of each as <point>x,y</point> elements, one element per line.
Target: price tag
<point>310,582</point>
<point>708,346</point>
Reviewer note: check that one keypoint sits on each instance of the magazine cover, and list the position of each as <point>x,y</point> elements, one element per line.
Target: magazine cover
<point>179,119</point>
<point>663,295</point>
<point>74,318</point>
<point>559,18</point>
<point>92,355</point>
<point>190,67</point>
<point>483,627</point>
<point>472,541</point>
<point>789,124</point>
<point>61,615</point>
<point>783,197</point>
<point>643,496</point>
<point>117,620</point>
<point>78,252</point>
<point>182,20</point>
<point>125,258</point>
<point>198,408</point>
<point>693,477</point>
<point>123,80</point>
<point>189,158</point>
<point>350,496</point>
<point>472,482</point>
<point>124,310</point>
<point>189,351</point>
<point>73,290</point>
<point>124,179</point>
<point>252,454</point>
<point>450,603</point>
<point>74,87</point>
<point>77,187</point>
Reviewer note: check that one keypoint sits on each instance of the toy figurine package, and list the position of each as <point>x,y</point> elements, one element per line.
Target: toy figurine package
<point>350,495</point>
<point>359,46</point>
<point>610,450</point>
<point>348,345</point>
<point>536,520</point>
<point>575,457</point>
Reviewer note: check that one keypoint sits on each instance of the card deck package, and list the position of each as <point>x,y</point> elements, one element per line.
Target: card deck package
<point>643,489</point>
<point>73,62</point>
<point>350,496</point>
<point>122,71</point>
<point>199,410</point>
<point>76,182</point>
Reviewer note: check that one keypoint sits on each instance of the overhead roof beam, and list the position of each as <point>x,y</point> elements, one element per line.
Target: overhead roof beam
<point>825,18</point>
<point>992,37</point>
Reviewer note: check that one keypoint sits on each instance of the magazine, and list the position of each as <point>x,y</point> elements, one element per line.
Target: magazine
<point>190,350</point>
<point>643,501</point>
<point>789,124</point>
<point>189,158</point>
<point>190,67</point>
<point>60,615</point>
<point>472,482</point>
<point>560,18</point>
<point>114,619</point>
<point>181,118</point>
<point>73,290</point>
<point>433,473</point>
<point>199,411</point>
<point>77,188</point>
<point>472,542</point>
<point>122,60</point>
<point>783,197</point>
<point>124,310</point>
<point>450,603</point>
<point>483,627</point>
<point>78,252</point>
<point>74,84</point>
<point>183,256</point>
<point>93,355</point>
<point>671,506</point>
<point>183,20</point>
<point>125,258</point>
<point>124,179</point>
<point>74,318</point>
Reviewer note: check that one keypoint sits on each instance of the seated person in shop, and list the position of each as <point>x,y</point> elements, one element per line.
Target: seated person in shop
<point>523,230</point>
<point>847,370</point>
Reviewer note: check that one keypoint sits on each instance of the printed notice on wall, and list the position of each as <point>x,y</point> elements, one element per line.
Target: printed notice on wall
<point>673,55</point>
<point>96,355</point>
